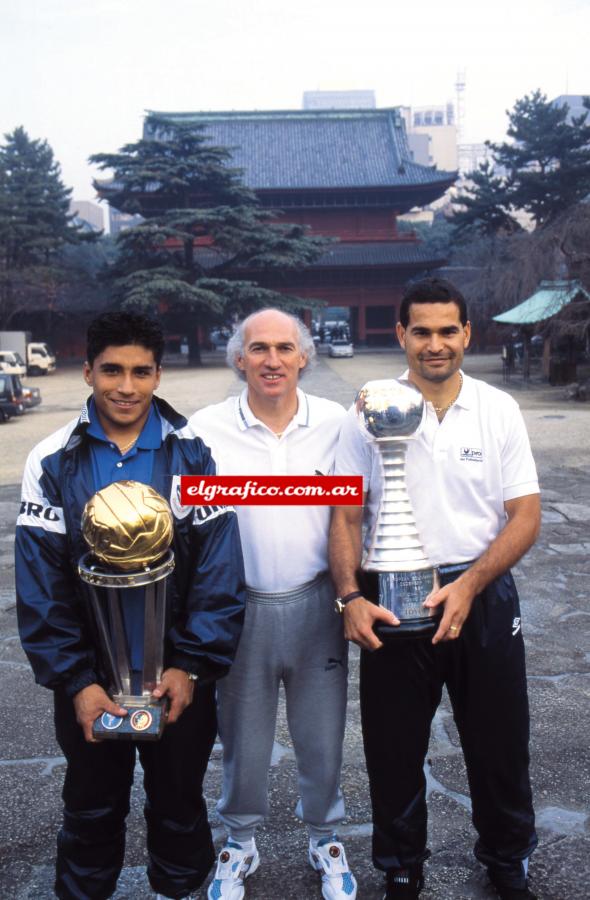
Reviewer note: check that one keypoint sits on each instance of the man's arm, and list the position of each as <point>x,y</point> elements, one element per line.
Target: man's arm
<point>205,636</point>
<point>51,628</point>
<point>518,535</point>
<point>345,551</point>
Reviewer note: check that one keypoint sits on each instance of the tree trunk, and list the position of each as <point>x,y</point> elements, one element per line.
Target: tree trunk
<point>194,346</point>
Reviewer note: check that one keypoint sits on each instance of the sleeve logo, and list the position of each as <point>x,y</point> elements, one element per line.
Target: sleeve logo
<point>41,515</point>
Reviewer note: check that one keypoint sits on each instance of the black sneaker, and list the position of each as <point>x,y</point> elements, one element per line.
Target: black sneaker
<point>404,884</point>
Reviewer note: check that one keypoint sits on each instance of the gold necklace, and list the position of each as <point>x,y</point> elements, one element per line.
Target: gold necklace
<point>123,450</point>
<point>444,409</point>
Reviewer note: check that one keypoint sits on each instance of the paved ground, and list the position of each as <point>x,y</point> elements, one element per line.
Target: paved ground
<point>553,583</point>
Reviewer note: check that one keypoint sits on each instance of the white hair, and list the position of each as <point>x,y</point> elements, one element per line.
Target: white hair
<point>235,345</point>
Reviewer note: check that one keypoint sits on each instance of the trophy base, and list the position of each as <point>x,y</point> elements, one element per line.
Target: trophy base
<point>145,720</point>
<point>403,593</point>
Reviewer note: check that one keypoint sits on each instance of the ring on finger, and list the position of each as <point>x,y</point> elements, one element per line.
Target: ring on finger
<point>453,628</point>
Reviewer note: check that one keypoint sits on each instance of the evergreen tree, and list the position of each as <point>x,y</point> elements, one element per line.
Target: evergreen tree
<point>483,206</point>
<point>548,161</point>
<point>34,225</point>
<point>546,170</point>
<point>203,233</point>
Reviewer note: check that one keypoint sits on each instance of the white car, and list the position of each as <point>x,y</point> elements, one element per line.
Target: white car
<point>341,347</point>
<point>12,363</point>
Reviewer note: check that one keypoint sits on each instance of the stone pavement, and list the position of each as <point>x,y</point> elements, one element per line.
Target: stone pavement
<point>553,583</point>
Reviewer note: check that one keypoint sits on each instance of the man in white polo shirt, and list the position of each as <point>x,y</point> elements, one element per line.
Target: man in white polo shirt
<point>291,632</point>
<point>473,486</point>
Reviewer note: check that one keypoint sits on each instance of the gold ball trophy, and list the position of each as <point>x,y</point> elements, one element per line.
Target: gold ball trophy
<point>128,527</point>
<point>395,572</point>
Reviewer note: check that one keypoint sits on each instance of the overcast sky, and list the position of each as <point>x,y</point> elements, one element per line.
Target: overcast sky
<point>80,73</point>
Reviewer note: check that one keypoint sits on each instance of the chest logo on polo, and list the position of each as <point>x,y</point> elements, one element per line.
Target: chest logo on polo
<point>471,454</point>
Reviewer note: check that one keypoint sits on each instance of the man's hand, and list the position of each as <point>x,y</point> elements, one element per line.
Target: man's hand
<point>457,598</point>
<point>89,704</point>
<point>179,688</point>
<point>359,617</point>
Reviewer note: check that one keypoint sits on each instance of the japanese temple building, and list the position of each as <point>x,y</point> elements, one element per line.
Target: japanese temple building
<point>347,174</point>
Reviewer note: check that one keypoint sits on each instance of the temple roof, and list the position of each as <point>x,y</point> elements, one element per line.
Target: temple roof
<point>357,255</point>
<point>548,300</point>
<point>317,149</point>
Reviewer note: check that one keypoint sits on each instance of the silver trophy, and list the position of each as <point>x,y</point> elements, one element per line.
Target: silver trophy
<point>128,527</point>
<point>395,571</point>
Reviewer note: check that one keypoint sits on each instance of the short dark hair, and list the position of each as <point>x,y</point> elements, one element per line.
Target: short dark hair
<point>432,290</point>
<point>118,329</point>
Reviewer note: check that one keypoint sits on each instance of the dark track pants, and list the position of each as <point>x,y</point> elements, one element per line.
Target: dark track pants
<point>401,688</point>
<point>91,842</point>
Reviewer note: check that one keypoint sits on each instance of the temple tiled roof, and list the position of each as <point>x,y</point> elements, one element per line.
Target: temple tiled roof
<point>378,254</point>
<point>342,255</point>
<point>319,149</point>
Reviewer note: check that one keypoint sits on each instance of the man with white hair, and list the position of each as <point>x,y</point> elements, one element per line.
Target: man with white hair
<point>292,633</point>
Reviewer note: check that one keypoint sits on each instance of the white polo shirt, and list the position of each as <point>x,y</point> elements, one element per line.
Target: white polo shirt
<point>284,546</point>
<point>459,472</point>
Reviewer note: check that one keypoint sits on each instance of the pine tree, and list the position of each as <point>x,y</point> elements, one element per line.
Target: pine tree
<point>483,205</point>
<point>204,231</point>
<point>543,171</point>
<point>34,225</point>
<point>548,160</point>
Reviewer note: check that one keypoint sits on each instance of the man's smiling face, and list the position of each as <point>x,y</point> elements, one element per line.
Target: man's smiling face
<point>435,340</point>
<point>123,380</point>
<point>272,357</point>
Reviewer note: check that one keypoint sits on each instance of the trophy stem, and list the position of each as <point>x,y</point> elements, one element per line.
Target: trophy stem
<point>153,640</point>
<point>103,634</point>
<point>395,543</point>
<point>119,640</point>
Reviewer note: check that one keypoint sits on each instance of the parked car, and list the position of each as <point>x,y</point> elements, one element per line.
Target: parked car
<point>6,410</point>
<point>341,347</point>
<point>31,396</point>
<point>12,362</point>
<point>11,393</point>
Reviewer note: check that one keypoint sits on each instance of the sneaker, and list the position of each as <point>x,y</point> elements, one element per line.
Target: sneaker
<point>329,858</point>
<point>404,884</point>
<point>234,864</point>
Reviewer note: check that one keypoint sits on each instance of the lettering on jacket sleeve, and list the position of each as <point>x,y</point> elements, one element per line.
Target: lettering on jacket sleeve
<point>40,514</point>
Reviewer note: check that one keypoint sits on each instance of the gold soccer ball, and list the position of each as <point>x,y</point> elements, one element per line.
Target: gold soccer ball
<point>127,525</point>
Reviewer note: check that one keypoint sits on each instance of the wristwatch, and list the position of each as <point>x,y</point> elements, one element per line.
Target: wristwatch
<point>342,601</point>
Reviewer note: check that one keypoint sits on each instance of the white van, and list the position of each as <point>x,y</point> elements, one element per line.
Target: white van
<point>12,363</point>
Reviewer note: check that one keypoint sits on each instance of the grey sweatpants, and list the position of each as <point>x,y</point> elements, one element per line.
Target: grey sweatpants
<point>297,638</point>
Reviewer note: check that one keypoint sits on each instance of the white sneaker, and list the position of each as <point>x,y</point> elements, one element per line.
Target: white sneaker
<point>234,864</point>
<point>329,858</point>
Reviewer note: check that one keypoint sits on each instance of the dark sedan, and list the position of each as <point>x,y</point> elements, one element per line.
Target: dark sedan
<point>11,394</point>
<point>31,396</point>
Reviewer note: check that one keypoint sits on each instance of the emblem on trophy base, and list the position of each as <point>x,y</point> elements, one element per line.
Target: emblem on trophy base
<point>129,528</point>
<point>395,571</point>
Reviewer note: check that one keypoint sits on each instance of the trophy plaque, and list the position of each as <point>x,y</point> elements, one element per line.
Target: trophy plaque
<point>395,571</point>
<point>128,527</point>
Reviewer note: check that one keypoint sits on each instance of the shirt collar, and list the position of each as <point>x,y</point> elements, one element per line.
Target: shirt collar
<point>466,394</point>
<point>246,418</point>
<point>149,439</point>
